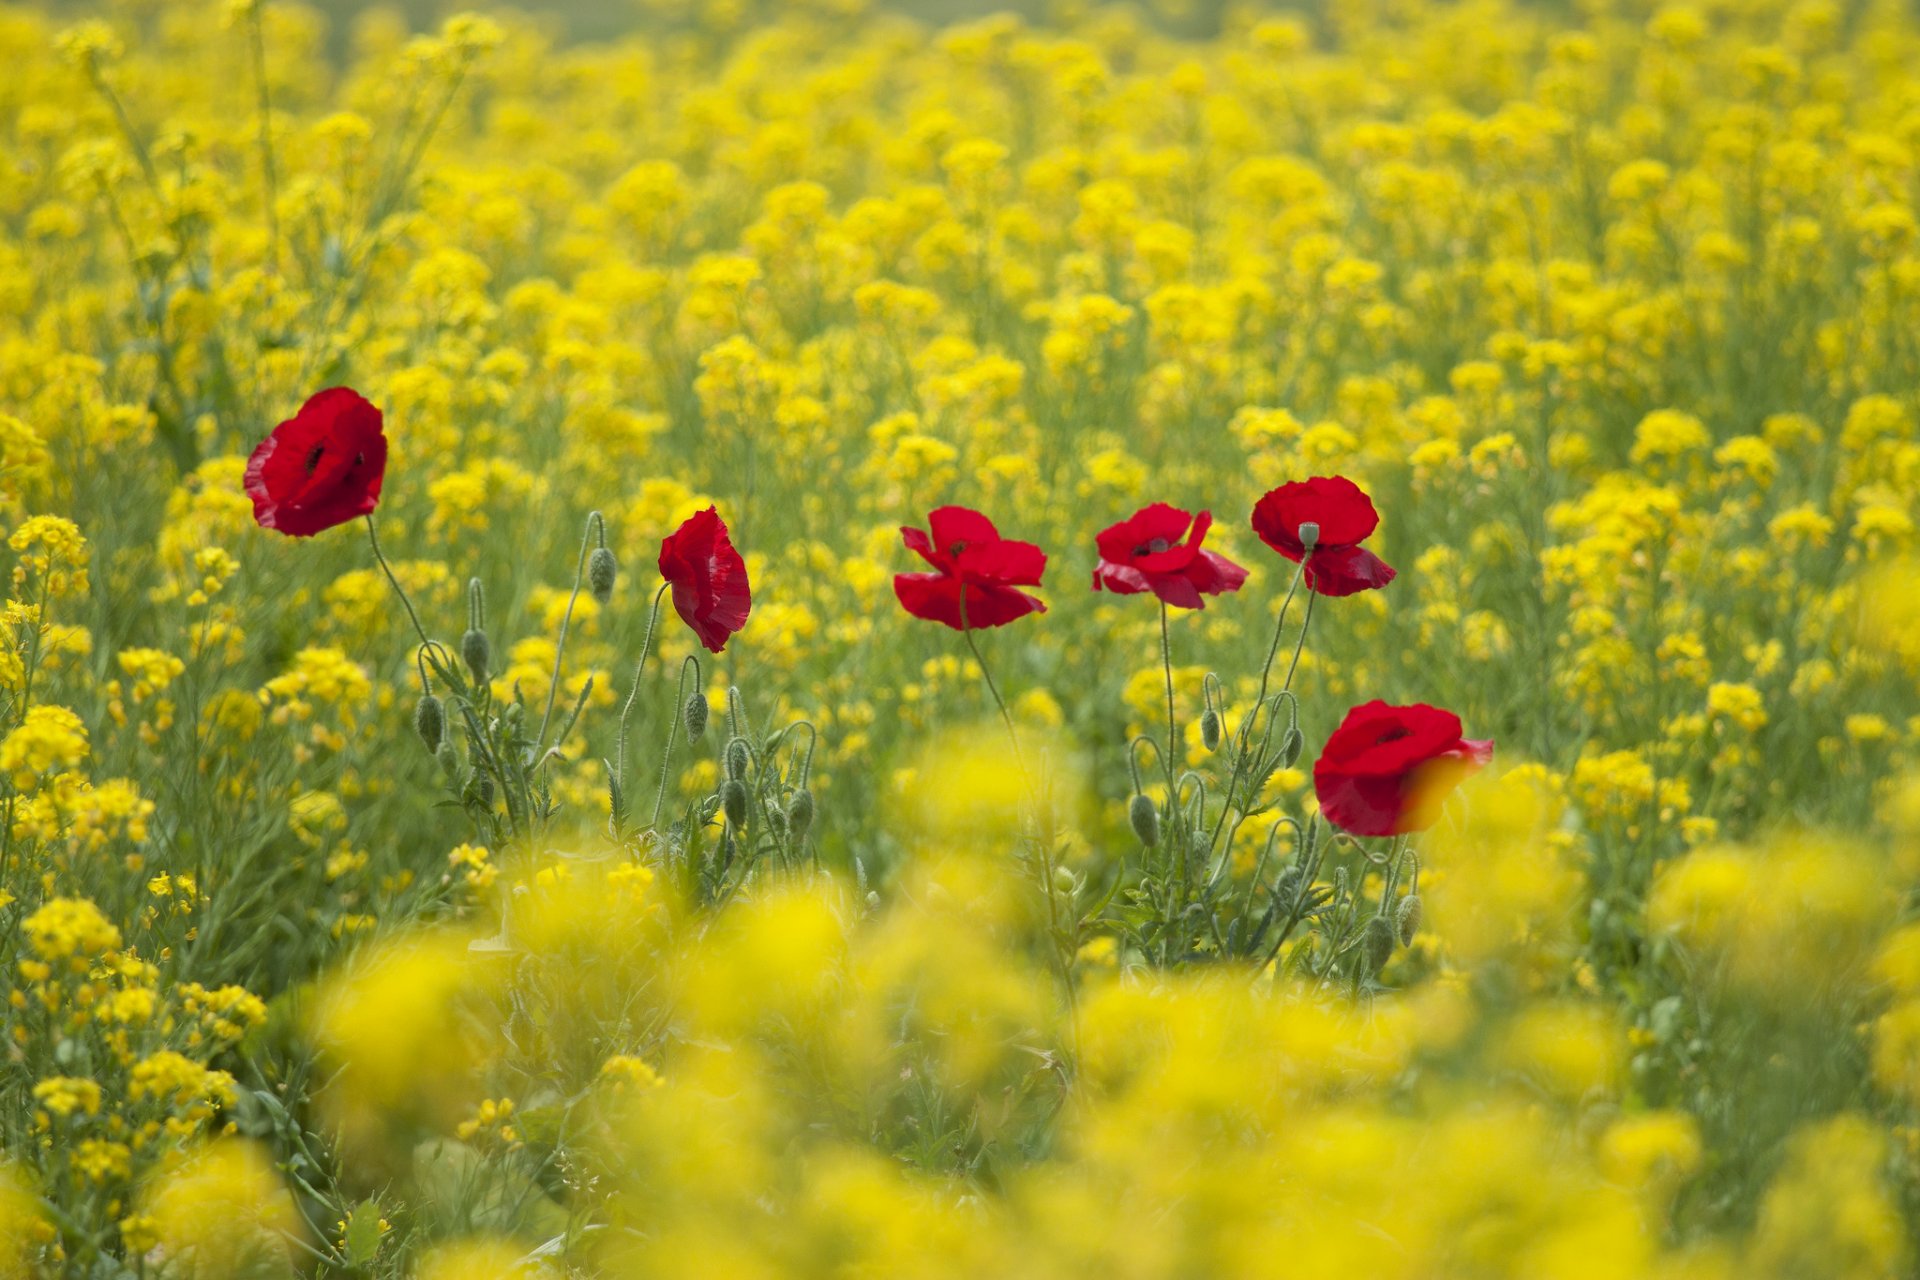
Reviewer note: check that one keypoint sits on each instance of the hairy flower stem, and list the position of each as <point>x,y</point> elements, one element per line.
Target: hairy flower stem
<point>1305,624</point>
<point>1044,843</point>
<point>566,620</point>
<point>633,694</point>
<point>1243,736</point>
<point>1006,717</point>
<point>426,640</point>
<point>1173,733</point>
<point>673,728</point>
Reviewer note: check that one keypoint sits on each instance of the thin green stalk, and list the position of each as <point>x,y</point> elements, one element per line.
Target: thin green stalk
<point>374,538</point>
<point>633,695</point>
<point>673,727</point>
<point>1173,733</point>
<point>269,176</point>
<point>566,621</point>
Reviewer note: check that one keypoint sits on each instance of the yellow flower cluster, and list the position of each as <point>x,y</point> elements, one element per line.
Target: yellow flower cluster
<point>1611,308</point>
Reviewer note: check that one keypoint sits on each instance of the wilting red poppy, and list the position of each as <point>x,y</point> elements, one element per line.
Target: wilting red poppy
<point>1386,769</point>
<point>708,577</point>
<point>1155,550</point>
<point>321,467</point>
<point>972,562</point>
<point>1338,565</point>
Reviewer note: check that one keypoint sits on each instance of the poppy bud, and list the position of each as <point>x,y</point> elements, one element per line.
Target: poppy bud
<point>1145,819</point>
<point>1063,881</point>
<point>733,799</point>
<point>1309,534</point>
<point>1407,917</point>
<point>448,757</point>
<point>737,760</point>
<point>477,652</point>
<point>1290,748</point>
<point>479,790</point>
<point>602,569</point>
<point>696,716</point>
<point>800,813</point>
<point>430,721</point>
<point>1376,944</point>
<point>1210,729</point>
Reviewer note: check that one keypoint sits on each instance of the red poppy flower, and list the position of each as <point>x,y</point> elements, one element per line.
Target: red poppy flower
<point>1338,565</point>
<point>974,564</point>
<point>321,467</point>
<point>708,577</point>
<point>1154,550</point>
<point>1386,769</point>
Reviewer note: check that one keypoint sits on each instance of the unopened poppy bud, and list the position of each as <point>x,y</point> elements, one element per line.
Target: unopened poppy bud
<point>479,790</point>
<point>477,652</point>
<point>602,570</point>
<point>1145,819</point>
<point>733,799</point>
<point>448,757</point>
<point>1407,917</point>
<point>1063,881</point>
<point>430,721</point>
<point>800,813</point>
<point>1309,534</point>
<point>737,760</point>
<point>1210,729</point>
<point>1290,748</point>
<point>1376,945</point>
<point>695,716</point>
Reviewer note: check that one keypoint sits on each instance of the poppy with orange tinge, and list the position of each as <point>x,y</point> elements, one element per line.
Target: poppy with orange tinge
<point>1158,549</point>
<point>1386,769</point>
<point>973,567</point>
<point>320,468</point>
<point>708,577</point>
<point>1344,516</point>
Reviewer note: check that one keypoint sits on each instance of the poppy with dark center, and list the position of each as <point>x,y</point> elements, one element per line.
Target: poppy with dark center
<point>320,468</point>
<point>1341,517</point>
<point>976,572</point>
<point>1386,770</point>
<point>1158,549</point>
<point>708,577</point>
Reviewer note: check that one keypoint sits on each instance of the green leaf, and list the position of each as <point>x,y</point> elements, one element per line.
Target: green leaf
<point>362,1240</point>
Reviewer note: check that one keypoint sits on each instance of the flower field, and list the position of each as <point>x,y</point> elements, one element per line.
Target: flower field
<point>1196,642</point>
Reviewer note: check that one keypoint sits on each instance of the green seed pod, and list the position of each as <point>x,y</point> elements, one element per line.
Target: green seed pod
<point>602,570</point>
<point>737,759</point>
<point>1290,748</point>
<point>1309,534</point>
<point>1210,729</point>
<point>695,716</point>
<point>430,721</point>
<point>1376,944</point>
<point>733,799</point>
<point>1407,918</point>
<point>477,652</point>
<point>800,813</point>
<point>1145,819</point>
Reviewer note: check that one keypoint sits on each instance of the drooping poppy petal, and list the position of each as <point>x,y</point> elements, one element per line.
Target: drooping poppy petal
<point>708,577</point>
<point>973,565</point>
